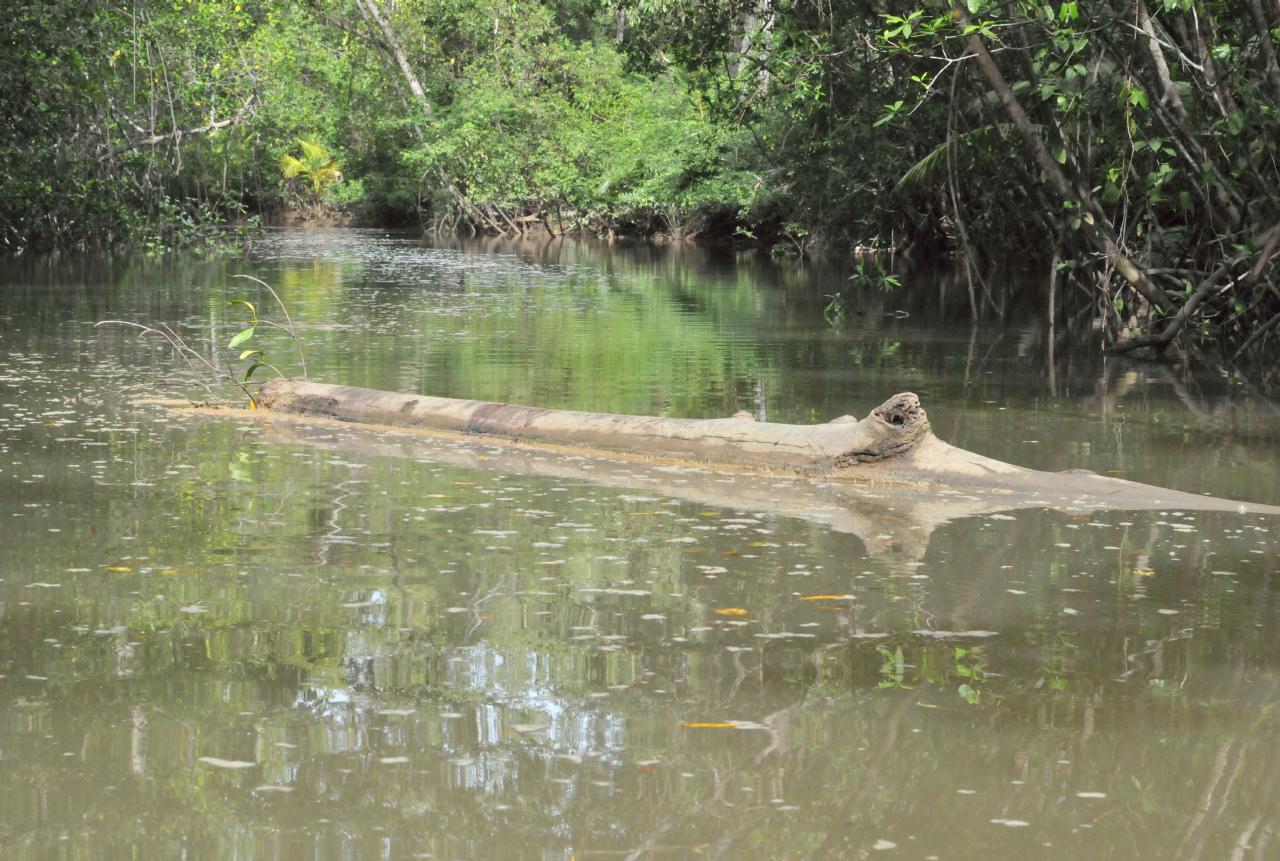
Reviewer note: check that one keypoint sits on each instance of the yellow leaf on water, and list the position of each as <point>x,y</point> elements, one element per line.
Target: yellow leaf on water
<point>737,612</point>
<point>717,724</point>
<point>119,569</point>
<point>827,598</point>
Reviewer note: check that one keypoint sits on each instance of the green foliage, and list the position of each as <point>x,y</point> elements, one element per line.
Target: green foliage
<point>1166,146</point>
<point>799,124</point>
<point>316,166</point>
<point>560,132</point>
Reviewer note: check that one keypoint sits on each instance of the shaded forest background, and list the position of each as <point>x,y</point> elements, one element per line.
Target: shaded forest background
<point>1127,148</point>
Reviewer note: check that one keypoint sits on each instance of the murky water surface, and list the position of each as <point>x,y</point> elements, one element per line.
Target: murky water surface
<point>220,639</point>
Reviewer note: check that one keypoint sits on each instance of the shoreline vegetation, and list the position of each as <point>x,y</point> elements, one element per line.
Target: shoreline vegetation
<point>1130,151</point>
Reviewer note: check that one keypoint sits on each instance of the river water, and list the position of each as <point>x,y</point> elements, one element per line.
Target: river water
<point>221,638</point>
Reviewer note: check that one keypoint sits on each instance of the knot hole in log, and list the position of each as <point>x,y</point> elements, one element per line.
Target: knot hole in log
<point>893,429</point>
<point>902,411</point>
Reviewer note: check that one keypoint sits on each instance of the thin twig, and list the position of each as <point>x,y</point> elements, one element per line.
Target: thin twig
<point>289,320</point>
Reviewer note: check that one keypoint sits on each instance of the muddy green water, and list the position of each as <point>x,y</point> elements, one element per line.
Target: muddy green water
<point>225,640</point>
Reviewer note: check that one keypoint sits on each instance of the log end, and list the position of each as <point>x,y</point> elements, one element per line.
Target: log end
<point>894,429</point>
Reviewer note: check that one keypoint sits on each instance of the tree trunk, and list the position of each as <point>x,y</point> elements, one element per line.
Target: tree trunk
<point>894,445</point>
<point>370,12</point>
<point>1170,97</point>
<point>373,15</point>
<point>892,430</point>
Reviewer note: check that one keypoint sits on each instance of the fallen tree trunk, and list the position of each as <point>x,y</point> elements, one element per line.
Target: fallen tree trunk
<point>892,430</point>
<point>893,445</point>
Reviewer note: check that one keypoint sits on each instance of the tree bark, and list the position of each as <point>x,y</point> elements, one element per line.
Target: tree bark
<point>1260,21</point>
<point>1170,97</point>
<point>370,12</point>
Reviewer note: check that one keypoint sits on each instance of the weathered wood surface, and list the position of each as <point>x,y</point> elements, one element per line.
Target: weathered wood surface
<point>893,445</point>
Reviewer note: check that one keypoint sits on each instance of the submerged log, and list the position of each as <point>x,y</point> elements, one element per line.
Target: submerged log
<point>894,445</point>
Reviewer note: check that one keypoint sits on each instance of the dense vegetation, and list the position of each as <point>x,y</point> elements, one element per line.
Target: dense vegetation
<point>1130,146</point>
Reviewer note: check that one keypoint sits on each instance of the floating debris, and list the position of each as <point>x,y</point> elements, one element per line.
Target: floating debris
<point>226,763</point>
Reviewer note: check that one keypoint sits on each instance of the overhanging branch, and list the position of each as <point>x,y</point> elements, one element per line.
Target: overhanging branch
<point>155,140</point>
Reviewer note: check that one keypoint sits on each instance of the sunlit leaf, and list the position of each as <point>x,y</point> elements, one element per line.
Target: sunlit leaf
<point>242,336</point>
<point>736,612</point>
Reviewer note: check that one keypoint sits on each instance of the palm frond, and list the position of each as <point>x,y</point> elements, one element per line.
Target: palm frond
<point>926,170</point>
<point>313,152</point>
<point>326,175</point>
<point>291,167</point>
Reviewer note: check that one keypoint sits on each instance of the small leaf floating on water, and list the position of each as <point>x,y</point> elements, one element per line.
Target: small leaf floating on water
<point>527,728</point>
<point>735,612</point>
<point>924,632</point>
<point>226,763</point>
<point>718,724</point>
<point>393,760</point>
<point>119,569</point>
<point>826,598</point>
<point>1011,823</point>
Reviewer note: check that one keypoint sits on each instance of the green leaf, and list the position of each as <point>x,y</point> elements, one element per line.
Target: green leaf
<point>973,6</point>
<point>249,371</point>
<point>241,337</point>
<point>249,305</point>
<point>247,353</point>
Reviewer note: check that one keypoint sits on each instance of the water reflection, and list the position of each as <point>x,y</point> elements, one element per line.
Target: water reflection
<point>219,641</point>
